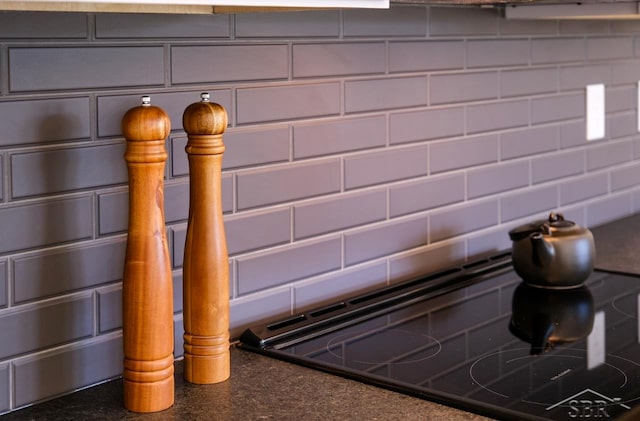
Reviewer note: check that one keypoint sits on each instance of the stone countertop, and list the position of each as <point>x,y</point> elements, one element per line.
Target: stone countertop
<point>618,245</point>
<point>265,388</point>
<point>260,388</point>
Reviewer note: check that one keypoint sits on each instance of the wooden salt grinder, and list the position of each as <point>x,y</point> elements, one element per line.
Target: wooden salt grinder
<point>206,265</point>
<point>147,291</point>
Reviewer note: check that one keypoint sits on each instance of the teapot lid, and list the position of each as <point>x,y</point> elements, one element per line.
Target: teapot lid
<point>555,220</point>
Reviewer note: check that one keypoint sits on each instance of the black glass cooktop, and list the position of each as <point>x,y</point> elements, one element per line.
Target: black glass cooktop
<point>479,339</point>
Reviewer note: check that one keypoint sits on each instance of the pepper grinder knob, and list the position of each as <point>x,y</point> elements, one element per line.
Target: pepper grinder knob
<point>204,118</point>
<point>146,122</point>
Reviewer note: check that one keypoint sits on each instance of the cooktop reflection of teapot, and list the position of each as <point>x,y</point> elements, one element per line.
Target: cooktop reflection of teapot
<point>546,317</point>
<point>553,253</point>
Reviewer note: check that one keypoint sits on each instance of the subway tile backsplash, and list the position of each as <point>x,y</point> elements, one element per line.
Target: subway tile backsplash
<point>364,148</point>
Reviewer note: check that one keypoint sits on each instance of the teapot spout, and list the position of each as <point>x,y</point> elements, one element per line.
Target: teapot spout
<point>543,251</point>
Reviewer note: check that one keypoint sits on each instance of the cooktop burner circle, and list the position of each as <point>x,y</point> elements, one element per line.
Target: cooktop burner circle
<point>529,374</point>
<point>626,305</point>
<point>404,346</point>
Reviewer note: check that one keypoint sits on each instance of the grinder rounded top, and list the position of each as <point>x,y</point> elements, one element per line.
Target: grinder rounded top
<point>146,122</point>
<point>204,117</point>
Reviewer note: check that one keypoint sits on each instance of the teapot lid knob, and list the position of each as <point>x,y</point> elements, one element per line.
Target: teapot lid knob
<point>554,217</point>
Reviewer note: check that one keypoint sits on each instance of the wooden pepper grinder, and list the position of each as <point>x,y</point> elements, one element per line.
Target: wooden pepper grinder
<point>206,265</point>
<point>147,285</point>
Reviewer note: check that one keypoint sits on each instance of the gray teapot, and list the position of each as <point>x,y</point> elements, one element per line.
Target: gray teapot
<point>553,253</point>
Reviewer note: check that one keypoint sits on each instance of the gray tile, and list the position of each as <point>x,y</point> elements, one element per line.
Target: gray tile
<point>3,283</point>
<point>287,182</point>
<point>468,87</point>
<point>620,99</point>
<point>109,308</point>
<point>625,177</point>
<point>394,22</point>
<point>577,77</point>
<point>609,154</point>
<point>585,187</point>
<point>609,48</point>
<point>112,108</point>
<point>254,147</point>
<point>425,125</point>
<point>382,167</point>
<point>384,94</point>
<point>316,23</point>
<point>113,212</point>
<point>256,105</point>
<point>2,178</point>
<point>40,275</point>
<point>557,108</point>
<point>176,245</point>
<point>44,120</point>
<point>177,290</point>
<point>528,82</point>
<point>319,60</point>
<point>339,212</point>
<point>325,138</point>
<point>558,50</point>
<point>84,67</point>
<point>46,223</point>
<point>558,165</point>
<point>4,387</point>
<point>609,209</point>
<point>243,148</point>
<point>581,27</point>
<point>176,201</point>
<point>287,264</point>
<point>223,63</point>
<point>152,25</point>
<point>487,243</point>
<point>252,231</point>
<point>259,308</point>
<point>497,53</point>
<point>573,134</point>
<point>385,239</point>
<point>227,192</point>
<point>636,201</point>
<point>495,116</point>
<point>527,142</point>
<point>528,27</point>
<point>60,170</point>
<point>178,160</point>
<point>15,25</point>
<point>497,178</point>
<point>178,338</point>
<point>624,26</point>
<point>330,288</point>
<point>414,56</point>
<point>622,125</point>
<point>624,72</point>
<point>73,368</point>
<point>462,219</point>
<point>436,257</point>
<point>45,325</point>
<point>452,154</point>
<point>444,21</point>
<point>531,202</point>
<point>428,193</point>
